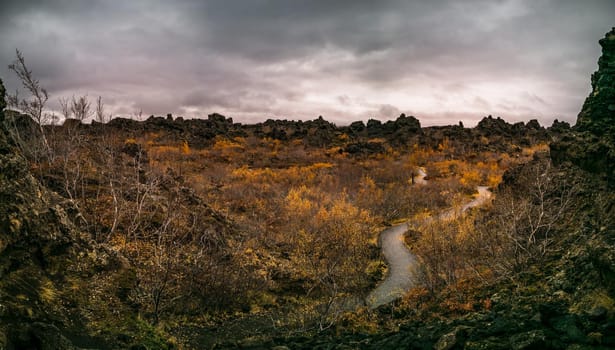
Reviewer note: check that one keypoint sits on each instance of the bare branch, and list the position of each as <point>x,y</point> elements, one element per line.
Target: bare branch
<point>65,107</point>
<point>35,105</point>
<point>100,110</point>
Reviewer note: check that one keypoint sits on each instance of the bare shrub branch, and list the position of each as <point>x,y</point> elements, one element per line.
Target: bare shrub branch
<point>34,106</point>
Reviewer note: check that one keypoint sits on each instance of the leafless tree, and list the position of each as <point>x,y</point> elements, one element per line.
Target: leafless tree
<point>34,106</point>
<point>65,107</point>
<point>138,115</point>
<point>526,219</point>
<point>54,119</point>
<point>100,110</point>
<point>80,107</point>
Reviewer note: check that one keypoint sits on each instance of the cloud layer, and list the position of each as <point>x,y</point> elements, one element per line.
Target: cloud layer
<point>442,61</point>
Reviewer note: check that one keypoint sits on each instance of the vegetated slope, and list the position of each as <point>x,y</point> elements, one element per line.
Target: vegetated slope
<point>556,288</point>
<point>58,289</point>
<point>251,230</point>
<point>552,229</point>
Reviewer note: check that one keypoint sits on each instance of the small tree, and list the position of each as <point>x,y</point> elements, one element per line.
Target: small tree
<point>34,106</point>
<point>138,115</point>
<point>100,110</point>
<point>65,107</point>
<point>527,217</point>
<point>80,107</point>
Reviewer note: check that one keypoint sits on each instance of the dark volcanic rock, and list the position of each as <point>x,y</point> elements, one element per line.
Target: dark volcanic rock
<point>598,110</point>
<point>23,126</point>
<point>588,151</point>
<point>363,148</point>
<point>409,123</point>
<point>320,132</point>
<point>401,131</point>
<point>124,123</point>
<point>559,127</point>
<point>494,125</point>
<point>591,145</point>
<point>357,127</point>
<point>533,124</point>
<point>72,123</point>
<point>2,94</point>
<point>219,119</point>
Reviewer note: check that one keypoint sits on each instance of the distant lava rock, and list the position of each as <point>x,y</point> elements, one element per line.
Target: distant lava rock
<point>123,124</point>
<point>364,148</point>
<point>591,145</point>
<point>559,127</point>
<point>494,125</point>
<point>357,127</point>
<point>408,123</point>
<point>401,131</point>
<point>533,124</point>
<point>72,124</point>
<point>320,132</point>
<point>219,119</point>
<point>374,124</point>
<point>160,123</point>
<point>501,136</point>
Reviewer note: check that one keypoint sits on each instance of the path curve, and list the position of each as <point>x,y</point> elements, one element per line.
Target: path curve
<point>403,264</point>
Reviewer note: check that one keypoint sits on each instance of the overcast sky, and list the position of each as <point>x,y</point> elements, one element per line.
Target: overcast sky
<point>441,61</point>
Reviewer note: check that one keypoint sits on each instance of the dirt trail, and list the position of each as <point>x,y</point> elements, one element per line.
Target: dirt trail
<point>403,265</point>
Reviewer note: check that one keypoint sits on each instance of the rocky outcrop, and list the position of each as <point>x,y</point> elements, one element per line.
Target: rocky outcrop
<point>358,138</point>
<point>598,110</point>
<point>559,127</point>
<point>364,148</point>
<point>591,144</point>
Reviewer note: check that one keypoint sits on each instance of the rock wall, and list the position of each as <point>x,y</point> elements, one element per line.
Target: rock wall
<point>591,144</point>
<point>598,113</point>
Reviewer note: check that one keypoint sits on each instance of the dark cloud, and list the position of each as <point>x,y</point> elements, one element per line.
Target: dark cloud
<point>345,60</point>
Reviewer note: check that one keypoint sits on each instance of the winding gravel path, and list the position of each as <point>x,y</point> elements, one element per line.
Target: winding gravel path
<point>403,265</point>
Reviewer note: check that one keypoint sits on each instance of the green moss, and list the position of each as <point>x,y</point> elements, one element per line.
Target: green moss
<point>598,298</point>
<point>149,336</point>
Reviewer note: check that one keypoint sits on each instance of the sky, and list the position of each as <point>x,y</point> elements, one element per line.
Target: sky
<point>252,60</point>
